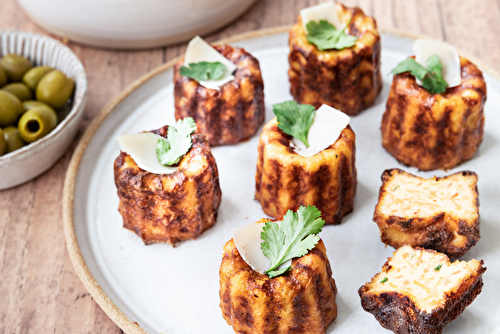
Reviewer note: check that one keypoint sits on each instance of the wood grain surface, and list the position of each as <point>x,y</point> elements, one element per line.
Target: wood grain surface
<point>40,292</point>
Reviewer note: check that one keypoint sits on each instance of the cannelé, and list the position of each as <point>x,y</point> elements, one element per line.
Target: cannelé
<point>288,177</point>
<point>169,205</point>
<point>226,110</point>
<point>431,128</point>
<point>420,291</point>
<point>332,72</point>
<point>300,300</point>
<point>440,213</point>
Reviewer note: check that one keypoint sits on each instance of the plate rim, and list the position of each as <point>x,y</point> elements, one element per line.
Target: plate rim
<point>76,257</point>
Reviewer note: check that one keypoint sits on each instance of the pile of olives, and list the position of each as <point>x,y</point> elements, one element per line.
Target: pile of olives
<point>29,99</point>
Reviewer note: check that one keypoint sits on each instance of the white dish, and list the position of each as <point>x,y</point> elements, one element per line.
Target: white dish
<point>132,24</point>
<point>32,160</point>
<point>175,290</point>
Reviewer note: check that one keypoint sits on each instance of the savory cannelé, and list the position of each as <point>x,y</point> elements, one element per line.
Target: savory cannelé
<point>437,121</point>
<point>419,291</point>
<point>289,175</point>
<point>256,300</point>
<point>227,108</point>
<point>167,203</point>
<point>326,69</point>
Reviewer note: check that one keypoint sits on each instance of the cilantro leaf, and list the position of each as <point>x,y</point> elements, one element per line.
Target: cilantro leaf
<point>162,145</point>
<point>435,79</point>
<point>275,273</point>
<point>203,71</point>
<point>325,36</point>
<point>293,237</point>
<point>295,119</point>
<point>431,77</point>
<point>410,65</point>
<point>170,151</point>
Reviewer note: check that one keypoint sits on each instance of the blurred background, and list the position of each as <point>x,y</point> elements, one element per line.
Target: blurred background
<point>40,291</point>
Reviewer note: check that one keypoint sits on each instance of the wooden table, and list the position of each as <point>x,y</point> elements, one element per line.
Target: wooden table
<point>40,292</point>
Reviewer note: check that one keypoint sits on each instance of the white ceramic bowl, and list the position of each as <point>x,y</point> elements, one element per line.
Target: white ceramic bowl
<point>32,160</point>
<point>131,24</point>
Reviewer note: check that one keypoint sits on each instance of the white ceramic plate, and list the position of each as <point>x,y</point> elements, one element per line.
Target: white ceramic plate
<point>176,290</point>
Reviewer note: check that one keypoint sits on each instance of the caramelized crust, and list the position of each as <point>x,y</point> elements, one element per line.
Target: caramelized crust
<point>169,207</point>
<point>435,131</point>
<point>347,79</point>
<point>403,307</point>
<point>300,301</point>
<point>231,114</point>
<point>437,213</point>
<point>285,180</point>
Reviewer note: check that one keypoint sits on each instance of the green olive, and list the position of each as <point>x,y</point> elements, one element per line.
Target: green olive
<point>13,140</point>
<point>3,77</point>
<point>2,143</point>
<point>20,90</point>
<point>62,113</point>
<point>10,108</point>
<point>55,89</point>
<point>36,123</point>
<point>15,66</point>
<point>33,76</point>
<point>30,104</point>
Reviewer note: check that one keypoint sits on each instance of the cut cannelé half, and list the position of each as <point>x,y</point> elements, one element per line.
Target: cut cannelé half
<point>436,213</point>
<point>346,78</point>
<point>419,291</point>
<point>229,109</point>
<point>430,128</point>
<point>171,204</point>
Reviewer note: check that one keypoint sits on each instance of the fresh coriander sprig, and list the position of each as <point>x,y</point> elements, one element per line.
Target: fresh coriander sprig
<point>295,119</point>
<point>170,151</point>
<point>431,77</point>
<point>293,237</point>
<point>326,36</point>
<point>438,267</point>
<point>203,71</point>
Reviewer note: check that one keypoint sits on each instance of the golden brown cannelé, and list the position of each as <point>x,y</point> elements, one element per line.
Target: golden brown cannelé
<point>170,207</point>
<point>285,180</point>
<point>228,115</point>
<point>435,131</point>
<point>347,79</point>
<point>299,301</point>
<point>419,291</point>
<point>441,213</point>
